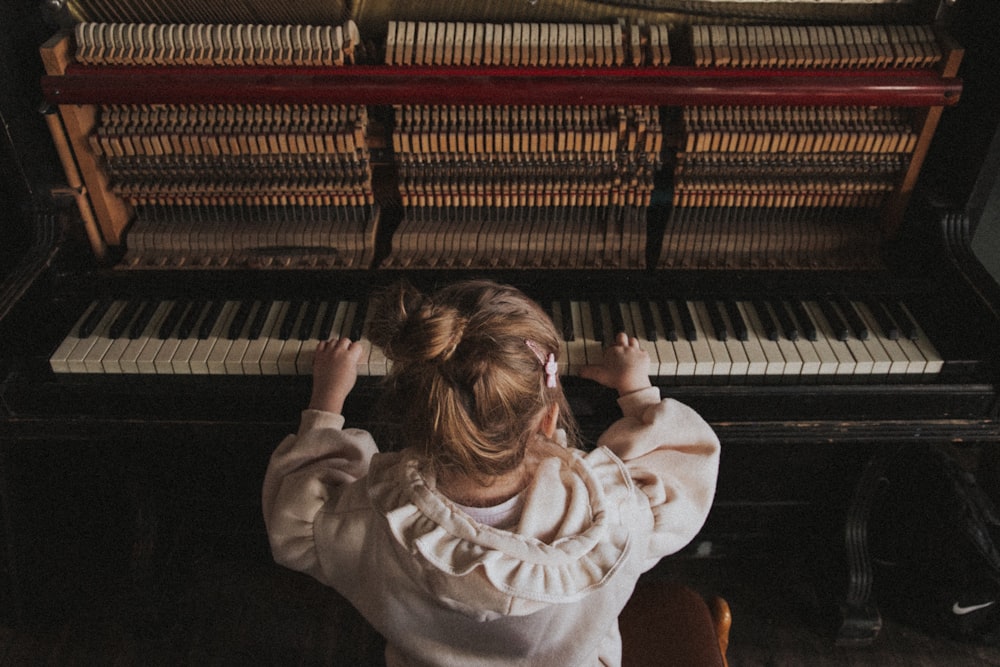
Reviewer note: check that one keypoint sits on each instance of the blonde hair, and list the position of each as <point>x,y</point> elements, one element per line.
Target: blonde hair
<point>466,388</point>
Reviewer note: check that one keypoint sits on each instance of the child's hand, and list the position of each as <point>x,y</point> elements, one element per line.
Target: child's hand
<point>335,370</point>
<point>625,366</point>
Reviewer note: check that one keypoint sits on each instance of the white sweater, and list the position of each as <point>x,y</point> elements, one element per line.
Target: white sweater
<point>446,590</point>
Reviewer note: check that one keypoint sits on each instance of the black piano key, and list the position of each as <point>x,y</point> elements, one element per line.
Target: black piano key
<point>291,316</point>
<point>208,322</point>
<point>785,320</point>
<point>667,317</point>
<point>357,326</point>
<point>840,328</point>
<point>257,323</point>
<point>687,321</point>
<point>239,319</point>
<point>93,319</point>
<point>718,321</point>
<point>566,310</point>
<point>326,324</point>
<point>597,321</point>
<point>854,321</point>
<point>308,320</point>
<point>806,325</point>
<point>122,320</point>
<point>141,320</point>
<point>883,319</point>
<point>648,322</point>
<point>771,329</point>
<point>617,321</point>
<point>736,319</point>
<point>908,327</point>
<point>190,319</point>
<point>173,317</point>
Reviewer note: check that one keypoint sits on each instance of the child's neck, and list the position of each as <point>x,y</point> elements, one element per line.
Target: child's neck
<point>470,492</point>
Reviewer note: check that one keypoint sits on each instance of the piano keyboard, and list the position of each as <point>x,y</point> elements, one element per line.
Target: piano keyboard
<point>735,340</point>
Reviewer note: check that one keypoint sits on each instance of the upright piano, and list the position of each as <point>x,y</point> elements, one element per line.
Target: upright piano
<point>772,196</point>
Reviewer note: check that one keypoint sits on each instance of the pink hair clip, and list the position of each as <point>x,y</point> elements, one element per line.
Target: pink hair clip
<point>549,363</point>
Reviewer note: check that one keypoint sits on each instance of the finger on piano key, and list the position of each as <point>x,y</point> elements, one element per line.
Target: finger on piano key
<point>632,315</point>
<point>376,363</point>
<point>210,331</point>
<point>100,340</point>
<point>322,321</point>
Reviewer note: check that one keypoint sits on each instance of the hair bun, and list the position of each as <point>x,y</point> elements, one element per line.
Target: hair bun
<point>410,327</point>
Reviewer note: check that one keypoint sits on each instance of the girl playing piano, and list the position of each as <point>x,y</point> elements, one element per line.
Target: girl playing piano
<point>491,538</point>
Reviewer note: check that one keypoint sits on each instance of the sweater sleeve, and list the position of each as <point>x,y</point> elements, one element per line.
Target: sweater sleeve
<point>308,471</point>
<point>672,455</point>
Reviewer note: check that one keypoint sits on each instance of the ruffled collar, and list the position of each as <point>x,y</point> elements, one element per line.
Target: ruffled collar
<point>569,540</point>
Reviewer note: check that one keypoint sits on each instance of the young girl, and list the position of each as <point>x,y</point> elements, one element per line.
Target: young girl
<point>490,539</point>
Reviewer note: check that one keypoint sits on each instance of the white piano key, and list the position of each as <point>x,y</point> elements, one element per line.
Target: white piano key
<point>180,360</point>
<point>232,363</point>
<point>76,358</point>
<point>130,356</point>
<point>666,351</point>
<point>272,348</point>
<point>632,315</point>
<point>59,359</point>
<point>593,348</point>
<point>203,349</point>
<point>102,340</point>
<point>290,349</point>
<point>576,349</point>
<point>774,360</point>
<point>721,363</point>
<point>739,360</point>
<point>378,364</point>
<point>558,320</point>
<point>307,349</point>
<point>756,359</point>
<point>934,361</point>
<point>843,360</point>
<point>146,361</point>
<point>704,362</point>
<point>882,360</point>
<point>253,356</point>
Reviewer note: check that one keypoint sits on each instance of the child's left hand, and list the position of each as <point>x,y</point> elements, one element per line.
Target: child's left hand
<point>335,370</point>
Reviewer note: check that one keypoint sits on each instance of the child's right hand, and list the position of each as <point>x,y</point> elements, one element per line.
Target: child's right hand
<point>625,366</point>
<point>335,370</point>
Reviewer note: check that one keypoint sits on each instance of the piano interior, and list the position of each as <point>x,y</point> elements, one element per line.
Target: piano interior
<point>772,196</point>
